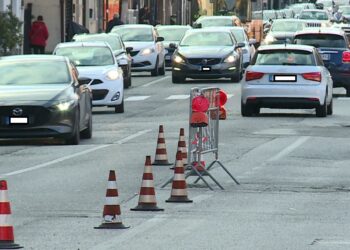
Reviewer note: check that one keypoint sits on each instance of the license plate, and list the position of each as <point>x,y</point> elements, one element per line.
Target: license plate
<point>167,57</point>
<point>284,78</point>
<point>326,57</point>
<point>18,120</point>
<point>205,68</point>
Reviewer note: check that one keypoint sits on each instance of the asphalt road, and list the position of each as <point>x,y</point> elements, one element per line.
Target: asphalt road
<point>293,169</point>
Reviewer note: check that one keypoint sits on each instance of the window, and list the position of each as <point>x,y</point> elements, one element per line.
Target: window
<point>285,57</point>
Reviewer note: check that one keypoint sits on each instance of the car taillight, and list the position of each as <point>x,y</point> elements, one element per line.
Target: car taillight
<point>250,75</point>
<point>313,76</point>
<point>346,57</point>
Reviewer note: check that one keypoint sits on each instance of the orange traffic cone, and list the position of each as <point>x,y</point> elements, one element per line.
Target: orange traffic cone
<point>6,229</point>
<point>161,157</point>
<point>222,113</point>
<point>179,187</point>
<point>147,198</point>
<point>111,211</point>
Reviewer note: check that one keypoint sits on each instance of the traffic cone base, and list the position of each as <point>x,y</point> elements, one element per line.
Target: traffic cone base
<point>9,245</point>
<point>147,207</point>
<point>112,226</point>
<point>162,163</point>
<point>179,199</point>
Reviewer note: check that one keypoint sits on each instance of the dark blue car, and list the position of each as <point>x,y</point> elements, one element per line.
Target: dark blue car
<point>333,46</point>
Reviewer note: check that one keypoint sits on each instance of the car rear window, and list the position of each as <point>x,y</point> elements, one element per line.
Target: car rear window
<point>321,40</point>
<point>284,57</point>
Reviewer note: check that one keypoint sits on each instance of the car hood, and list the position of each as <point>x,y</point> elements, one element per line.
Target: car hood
<point>88,71</point>
<point>139,45</point>
<point>199,52</point>
<point>34,93</point>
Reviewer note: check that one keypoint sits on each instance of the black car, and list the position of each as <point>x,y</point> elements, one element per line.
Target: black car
<point>40,96</point>
<point>207,54</point>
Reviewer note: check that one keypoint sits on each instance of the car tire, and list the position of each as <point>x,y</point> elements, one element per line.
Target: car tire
<point>348,91</point>
<point>177,79</point>
<point>87,133</point>
<point>119,108</point>
<point>127,82</point>
<point>330,108</point>
<point>162,69</point>
<point>321,111</point>
<point>75,138</point>
<point>236,77</point>
<point>155,71</point>
<point>246,110</point>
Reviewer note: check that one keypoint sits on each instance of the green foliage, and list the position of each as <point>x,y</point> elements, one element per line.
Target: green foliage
<point>10,32</point>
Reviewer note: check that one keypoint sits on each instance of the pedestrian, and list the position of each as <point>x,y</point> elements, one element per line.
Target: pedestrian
<point>114,22</point>
<point>38,36</point>
<point>256,31</point>
<point>144,15</point>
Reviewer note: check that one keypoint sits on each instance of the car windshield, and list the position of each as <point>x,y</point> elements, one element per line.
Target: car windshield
<point>284,57</point>
<point>313,15</point>
<point>211,22</point>
<point>239,35</point>
<point>114,42</point>
<point>286,26</point>
<point>87,56</point>
<point>207,39</point>
<point>129,34</point>
<point>33,72</point>
<point>171,34</point>
<point>321,40</point>
<point>345,10</point>
<point>327,4</point>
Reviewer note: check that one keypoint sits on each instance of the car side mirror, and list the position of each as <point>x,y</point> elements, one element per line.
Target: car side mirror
<point>129,49</point>
<point>172,46</point>
<point>83,80</point>
<point>252,41</point>
<point>197,25</point>
<point>239,45</point>
<point>160,39</point>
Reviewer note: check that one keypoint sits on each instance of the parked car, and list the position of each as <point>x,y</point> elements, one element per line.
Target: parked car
<point>172,35</point>
<point>287,76</point>
<point>216,21</point>
<point>207,54</point>
<point>121,53</point>
<point>333,46</point>
<point>41,96</point>
<point>283,30</point>
<point>345,10</point>
<point>316,18</point>
<point>148,52</point>
<point>96,63</point>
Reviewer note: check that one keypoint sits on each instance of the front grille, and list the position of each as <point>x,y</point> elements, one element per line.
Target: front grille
<point>141,64</point>
<point>134,53</point>
<point>37,115</point>
<point>99,94</point>
<point>204,61</point>
<point>96,81</point>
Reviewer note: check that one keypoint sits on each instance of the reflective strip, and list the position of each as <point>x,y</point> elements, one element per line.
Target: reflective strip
<point>3,196</point>
<point>148,170</point>
<point>112,219</point>
<point>112,201</point>
<point>5,220</point>
<point>147,183</point>
<point>161,135</point>
<point>112,185</point>
<point>161,157</point>
<point>179,177</point>
<point>179,192</point>
<point>147,199</point>
<point>161,146</point>
<point>182,138</point>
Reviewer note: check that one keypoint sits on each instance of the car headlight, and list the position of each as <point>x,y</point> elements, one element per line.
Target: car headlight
<point>270,39</point>
<point>147,51</point>
<point>65,105</point>
<point>178,59</point>
<point>112,74</point>
<point>230,59</point>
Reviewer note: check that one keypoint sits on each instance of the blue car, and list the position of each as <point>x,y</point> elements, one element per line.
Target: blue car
<point>333,47</point>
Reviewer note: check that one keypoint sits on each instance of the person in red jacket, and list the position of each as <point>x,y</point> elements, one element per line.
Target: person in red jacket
<point>38,36</point>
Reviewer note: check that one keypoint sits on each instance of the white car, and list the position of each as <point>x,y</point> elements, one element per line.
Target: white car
<point>96,62</point>
<point>287,76</point>
<point>148,53</point>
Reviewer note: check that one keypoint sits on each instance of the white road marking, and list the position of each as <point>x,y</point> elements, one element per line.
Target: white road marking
<point>137,98</point>
<point>61,159</point>
<point>343,98</point>
<point>178,97</point>
<point>155,81</point>
<point>290,148</point>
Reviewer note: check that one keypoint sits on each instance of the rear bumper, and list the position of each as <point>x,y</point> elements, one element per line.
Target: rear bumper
<point>284,103</point>
<point>341,75</point>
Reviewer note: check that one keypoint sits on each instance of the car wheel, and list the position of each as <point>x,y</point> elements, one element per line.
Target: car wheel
<point>75,138</point>
<point>246,110</point>
<point>119,108</point>
<point>330,108</point>
<point>321,111</point>
<point>162,69</point>
<point>87,133</point>
<point>348,91</point>
<point>127,82</point>
<point>155,71</point>
<point>177,79</point>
